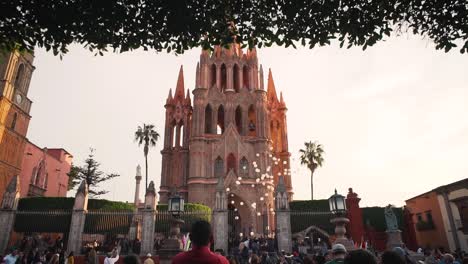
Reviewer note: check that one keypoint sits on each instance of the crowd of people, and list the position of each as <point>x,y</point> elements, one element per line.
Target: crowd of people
<point>250,251</point>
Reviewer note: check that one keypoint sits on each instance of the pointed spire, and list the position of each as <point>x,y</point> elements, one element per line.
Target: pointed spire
<point>261,78</point>
<point>169,97</point>
<point>188,100</point>
<point>197,76</point>
<point>179,92</point>
<point>282,103</point>
<point>271,92</point>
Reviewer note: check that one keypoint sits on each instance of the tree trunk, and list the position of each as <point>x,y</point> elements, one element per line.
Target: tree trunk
<point>146,182</point>
<point>311,185</point>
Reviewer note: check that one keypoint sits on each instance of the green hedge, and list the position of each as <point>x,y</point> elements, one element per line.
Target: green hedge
<point>66,203</point>
<point>310,205</point>
<point>375,217</point>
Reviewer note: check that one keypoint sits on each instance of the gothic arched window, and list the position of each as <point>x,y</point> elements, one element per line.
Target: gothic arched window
<point>181,135</point>
<point>220,123</point>
<point>231,162</point>
<point>244,168</point>
<point>219,167</point>
<point>252,121</point>
<point>223,78</point>
<point>19,76</point>
<point>239,120</point>
<point>212,75</point>
<point>34,175</point>
<point>235,78</point>
<point>245,76</point>
<point>174,135</point>
<point>208,119</point>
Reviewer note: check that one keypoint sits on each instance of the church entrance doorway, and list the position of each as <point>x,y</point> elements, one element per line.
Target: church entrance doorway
<point>239,225</point>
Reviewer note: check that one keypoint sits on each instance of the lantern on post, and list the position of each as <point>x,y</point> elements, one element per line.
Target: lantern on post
<point>337,204</point>
<point>176,205</point>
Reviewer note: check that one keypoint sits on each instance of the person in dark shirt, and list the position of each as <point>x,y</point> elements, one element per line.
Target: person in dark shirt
<point>200,253</point>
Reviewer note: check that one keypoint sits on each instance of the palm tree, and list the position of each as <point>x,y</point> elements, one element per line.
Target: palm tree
<point>148,136</point>
<point>312,157</point>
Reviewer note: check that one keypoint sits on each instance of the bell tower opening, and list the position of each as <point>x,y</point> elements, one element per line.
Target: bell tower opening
<point>213,75</point>
<point>252,121</point>
<point>223,78</point>
<point>235,75</point>
<point>208,119</point>
<point>239,120</point>
<point>220,123</point>
<point>245,76</point>
<point>231,163</point>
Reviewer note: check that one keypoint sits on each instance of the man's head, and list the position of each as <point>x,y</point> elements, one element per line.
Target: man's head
<point>201,233</point>
<point>338,251</point>
<point>360,256</point>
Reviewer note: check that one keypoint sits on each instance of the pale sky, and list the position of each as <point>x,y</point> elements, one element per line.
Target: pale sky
<point>393,119</point>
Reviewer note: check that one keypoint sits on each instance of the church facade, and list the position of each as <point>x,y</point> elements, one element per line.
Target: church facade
<point>234,129</point>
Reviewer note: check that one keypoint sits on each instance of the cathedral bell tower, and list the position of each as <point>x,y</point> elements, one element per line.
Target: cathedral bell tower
<point>174,172</point>
<point>15,75</point>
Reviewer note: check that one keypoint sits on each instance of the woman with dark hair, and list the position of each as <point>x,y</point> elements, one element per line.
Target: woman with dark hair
<point>391,257</point>
<point>360,256</point>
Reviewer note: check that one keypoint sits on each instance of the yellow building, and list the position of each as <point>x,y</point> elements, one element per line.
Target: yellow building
<point>16,69</point>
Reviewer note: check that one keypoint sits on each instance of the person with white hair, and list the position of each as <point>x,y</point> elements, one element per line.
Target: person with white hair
<point>148,259</point>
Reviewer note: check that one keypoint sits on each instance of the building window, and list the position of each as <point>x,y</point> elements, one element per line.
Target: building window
<point>13,122</point>
<point>19,77</point>
<point>419,217</point>
<point>429,216</point>
<point>235,75</point>
<point>220,123</point>
<point>213,75</point>
<point>223,78</point>
<point>244,168</point>
<point>239,120</point>
<point>208,119</point>
<point>231,162</point>
<point>245,76</point>
<point>219,167</point>
<point>252,121</point>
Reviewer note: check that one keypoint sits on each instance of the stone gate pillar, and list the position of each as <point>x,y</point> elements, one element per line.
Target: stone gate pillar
<point>220,218</point>
<point>283,219</point>
<point>77,223</point>
<point>8,211</point>
<point>149,217</point>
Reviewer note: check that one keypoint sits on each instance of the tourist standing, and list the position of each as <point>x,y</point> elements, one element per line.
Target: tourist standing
<point>112,257</point>
<point>200,253</point>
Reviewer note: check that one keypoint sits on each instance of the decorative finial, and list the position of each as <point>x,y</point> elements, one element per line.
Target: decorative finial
<point>138,170</point>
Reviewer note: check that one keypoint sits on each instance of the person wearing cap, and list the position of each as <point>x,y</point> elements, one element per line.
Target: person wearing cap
<point>339,254</point>
<point>148,259</point>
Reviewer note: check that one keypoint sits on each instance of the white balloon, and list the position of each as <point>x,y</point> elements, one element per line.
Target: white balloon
<point>261,198</point>
<point>237,182</point>
<point>241,203</point>
<point>258,154</point>
<point>227,189</point>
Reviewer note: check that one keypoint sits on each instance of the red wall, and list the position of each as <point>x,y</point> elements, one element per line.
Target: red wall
<point>355,227</point>
<point>57,165</point>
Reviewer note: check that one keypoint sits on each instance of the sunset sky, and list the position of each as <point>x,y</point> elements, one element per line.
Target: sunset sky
<point>393,119</point>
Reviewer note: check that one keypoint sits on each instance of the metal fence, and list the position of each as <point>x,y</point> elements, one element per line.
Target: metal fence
<point>163,221</point>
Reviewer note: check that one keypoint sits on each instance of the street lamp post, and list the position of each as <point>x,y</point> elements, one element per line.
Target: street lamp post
<point>173,245</point>
<point>338,208</point>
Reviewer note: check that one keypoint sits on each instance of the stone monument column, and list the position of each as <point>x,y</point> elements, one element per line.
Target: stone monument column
<point>137,187</point>
<point>393,233</point>
<point>220,218</point>
<point>283,218</point>
<point>8,211</point>
<point>80,208</point>
<point>149,217</point>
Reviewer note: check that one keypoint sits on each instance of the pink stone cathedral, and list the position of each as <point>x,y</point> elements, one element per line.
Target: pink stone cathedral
<point>233,129</point>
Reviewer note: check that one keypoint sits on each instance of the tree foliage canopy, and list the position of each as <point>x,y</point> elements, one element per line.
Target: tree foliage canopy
<point>176,25</point>
<point>90,173</point>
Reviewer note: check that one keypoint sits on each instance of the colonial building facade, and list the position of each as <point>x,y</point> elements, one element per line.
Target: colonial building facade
<point>15,75</point>
<point>233,129</point>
